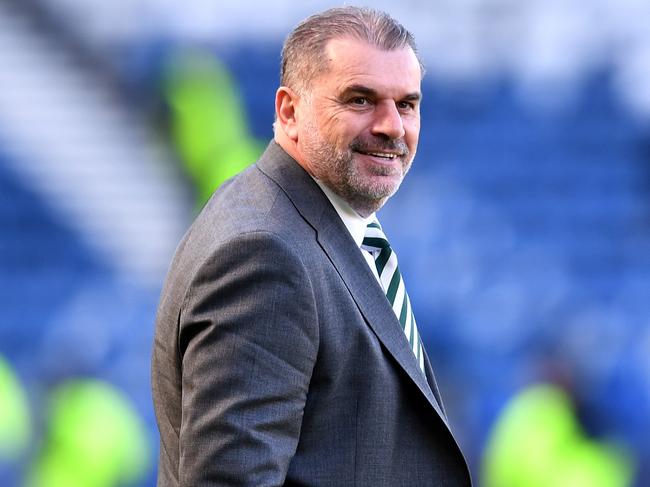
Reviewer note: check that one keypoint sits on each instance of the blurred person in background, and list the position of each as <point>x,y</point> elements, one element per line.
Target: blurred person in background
<point>286,350</point>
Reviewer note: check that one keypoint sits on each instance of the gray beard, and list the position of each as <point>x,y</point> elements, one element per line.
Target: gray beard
<point>338,171</point>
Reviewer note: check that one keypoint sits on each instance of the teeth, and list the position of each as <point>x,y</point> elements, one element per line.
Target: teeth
<point>379,154</point>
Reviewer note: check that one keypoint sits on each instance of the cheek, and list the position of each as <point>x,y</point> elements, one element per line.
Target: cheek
<point>347,125</point>
<point>340,135</point>
<point>412,134</point>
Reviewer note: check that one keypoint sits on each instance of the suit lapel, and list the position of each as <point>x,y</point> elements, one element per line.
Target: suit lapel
<point>339,246</point>
<point>371,301</point>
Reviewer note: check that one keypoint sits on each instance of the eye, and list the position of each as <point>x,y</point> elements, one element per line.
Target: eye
<point>360,101</point>
<point>405,105</point>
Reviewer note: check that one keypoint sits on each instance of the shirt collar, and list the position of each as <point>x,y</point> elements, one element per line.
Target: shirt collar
<point>355,223</point>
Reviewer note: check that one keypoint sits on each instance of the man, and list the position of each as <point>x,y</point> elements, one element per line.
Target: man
<point>283,354</point>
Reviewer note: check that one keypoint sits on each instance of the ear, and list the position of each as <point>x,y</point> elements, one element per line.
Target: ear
<point>286,101</point>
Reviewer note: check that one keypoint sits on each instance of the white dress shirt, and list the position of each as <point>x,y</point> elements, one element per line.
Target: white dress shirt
<point>354,222</point>
<point>356,225</point>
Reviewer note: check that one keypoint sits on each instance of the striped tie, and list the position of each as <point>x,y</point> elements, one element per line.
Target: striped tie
<point>391,280</point>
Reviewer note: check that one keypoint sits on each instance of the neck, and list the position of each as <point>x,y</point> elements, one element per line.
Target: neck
<point>291,148</point>
<point>363,206</point>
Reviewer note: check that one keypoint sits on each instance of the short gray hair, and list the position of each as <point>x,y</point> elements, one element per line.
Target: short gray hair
<point>303,53</point>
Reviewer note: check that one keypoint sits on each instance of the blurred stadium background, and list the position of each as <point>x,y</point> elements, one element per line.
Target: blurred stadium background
<point>523,228</point>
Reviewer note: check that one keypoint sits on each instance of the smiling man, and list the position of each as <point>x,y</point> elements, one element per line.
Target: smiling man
<point>287,350</point>
<point>354,126</point>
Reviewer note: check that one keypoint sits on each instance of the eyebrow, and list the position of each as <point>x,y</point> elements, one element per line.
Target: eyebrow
<point>364,90</point>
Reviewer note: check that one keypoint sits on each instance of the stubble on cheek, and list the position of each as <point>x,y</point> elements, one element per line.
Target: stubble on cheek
<point>365,186</point>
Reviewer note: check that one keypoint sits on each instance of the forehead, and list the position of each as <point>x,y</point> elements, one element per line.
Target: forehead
<point>352,61</point>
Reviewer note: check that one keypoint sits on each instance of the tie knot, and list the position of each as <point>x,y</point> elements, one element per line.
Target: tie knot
<point>374,239</point>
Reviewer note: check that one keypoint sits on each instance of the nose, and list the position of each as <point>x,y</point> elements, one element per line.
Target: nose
<point>388,121</point>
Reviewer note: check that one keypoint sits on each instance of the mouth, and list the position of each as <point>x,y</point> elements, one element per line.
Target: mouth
<point>387,156</point>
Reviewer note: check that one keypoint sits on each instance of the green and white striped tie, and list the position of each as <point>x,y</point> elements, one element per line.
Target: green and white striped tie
<point>391,281</point>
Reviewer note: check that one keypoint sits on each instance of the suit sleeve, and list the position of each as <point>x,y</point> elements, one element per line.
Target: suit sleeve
<point>248,343</point>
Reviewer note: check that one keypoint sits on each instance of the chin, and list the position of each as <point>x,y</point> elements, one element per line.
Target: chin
<point>384,186</point>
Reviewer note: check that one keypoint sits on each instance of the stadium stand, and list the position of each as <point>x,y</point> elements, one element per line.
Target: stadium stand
<point>522,229</point>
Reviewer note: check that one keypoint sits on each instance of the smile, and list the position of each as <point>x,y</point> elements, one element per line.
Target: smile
<point>383,155</point>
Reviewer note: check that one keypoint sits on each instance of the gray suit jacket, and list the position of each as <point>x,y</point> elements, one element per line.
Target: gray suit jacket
<point>277,358</point>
